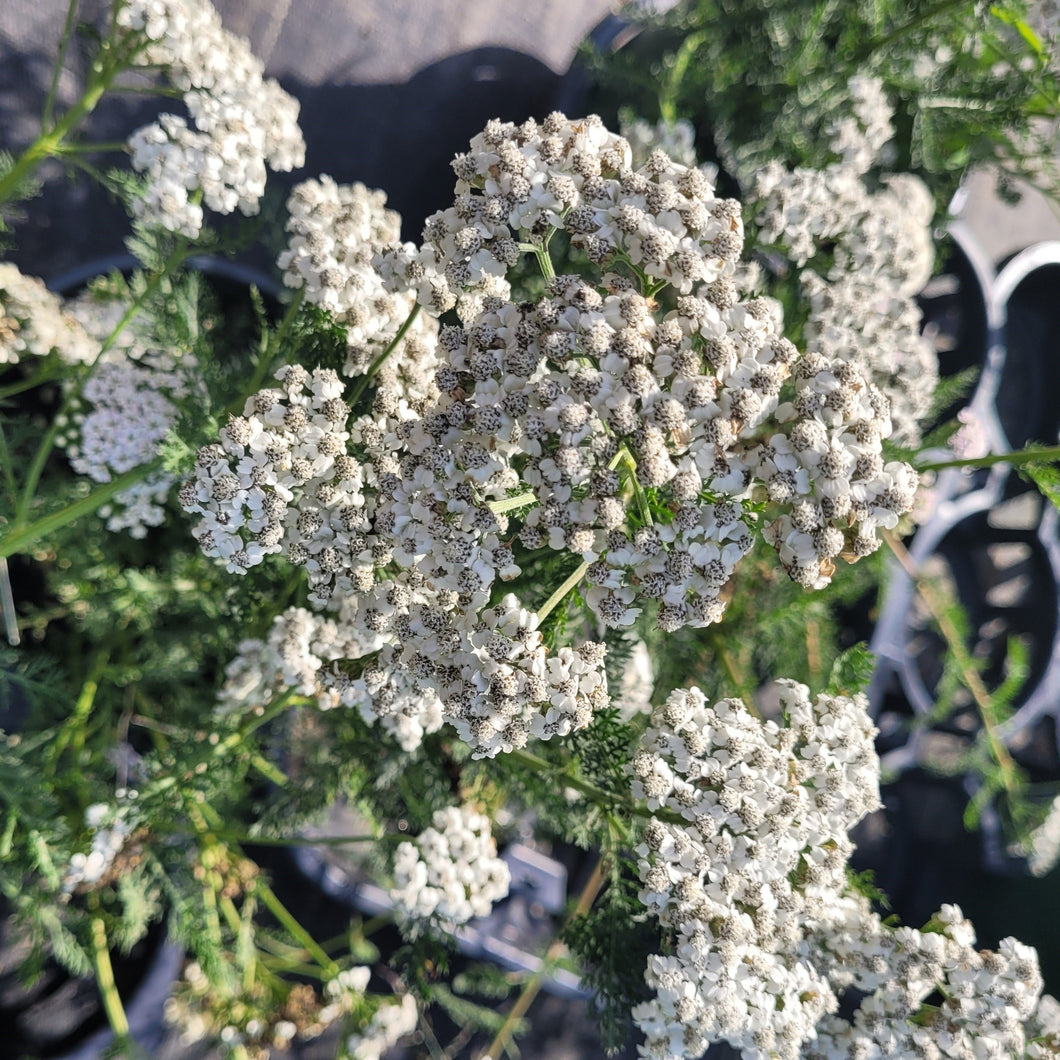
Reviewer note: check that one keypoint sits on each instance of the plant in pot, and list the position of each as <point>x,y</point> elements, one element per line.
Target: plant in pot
<point>450,483</point>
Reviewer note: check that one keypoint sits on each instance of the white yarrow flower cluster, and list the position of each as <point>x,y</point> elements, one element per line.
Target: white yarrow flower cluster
<point>241,122</point>
<point>118,422</point>
<point>110,830</point>
<point>311,654</point>
<point>988,998</point>
<point>747,873</point>
<point>336,232</point>
<point>584,386</point>
<point>596,420</point>
<point>289,442</point>
<point>867,252</point>
<point>760,856</point>
<point>33,322</point>
<point>451,872</point>
<point>388,1025</point>
<point>124,411</point>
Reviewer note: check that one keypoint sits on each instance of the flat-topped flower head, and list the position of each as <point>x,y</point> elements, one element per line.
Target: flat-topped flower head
<point>241,122</point>
<point>451,873</point>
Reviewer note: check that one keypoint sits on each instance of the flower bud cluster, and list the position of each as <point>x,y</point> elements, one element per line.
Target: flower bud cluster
<point>869,252</point>
<point>760,856</point>
<point>241,121</point>
<point>336,232</point>
<point>451,872</point>
<point>124,411</point>
<point>118,422</point>
<point>33,322</point>
<point>401,545</point>
<point>601,423</point>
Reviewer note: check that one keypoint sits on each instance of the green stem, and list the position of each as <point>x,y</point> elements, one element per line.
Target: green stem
<point>269,771</point>
<point>540,251</point>
<point>511,503</point>
<point>60,60</point>
<point>544,262</point>
<point>268,354</point>
<point>7,606</point>
<point>280,911</point>
<point>48,143</point>
<point>370,371</point>
<point>92,147</point>
<point>682,60</point>
<point>22,537</point>
<point>73,730</point>
<point>1040,454</point>
<point>553,601</point>
<point>105,980</point>
<point>938,607</point>
<point>534,983</point>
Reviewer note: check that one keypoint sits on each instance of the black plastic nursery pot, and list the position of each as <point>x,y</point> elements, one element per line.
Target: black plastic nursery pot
<point>58,1017</point>
<point>1027,397</point>
<point>960,314</point>
<point>993,543</point>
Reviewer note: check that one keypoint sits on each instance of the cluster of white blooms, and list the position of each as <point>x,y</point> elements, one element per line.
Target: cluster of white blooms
<point>586,390</point>
<point>118,422</point>
<point>859,137</point>
<point>388,1025</point>
<point>988,998</point>
<point>628,434</point>
<point>518,182</point>
<point>336,232</point>
<point>124,411</point>
<point>869,251</point>
<point>313,654</point>
<point>1042,846</point>
<point>241,121</point>
<point>745,867</point>
<point>199,1013</point>
<point>110,829</point>
<point>677,139</point>
<point>451,872</point>
<point>290,442</point>
<point>33,322</point>
<point>281,480</point>
<point>758,855</point>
